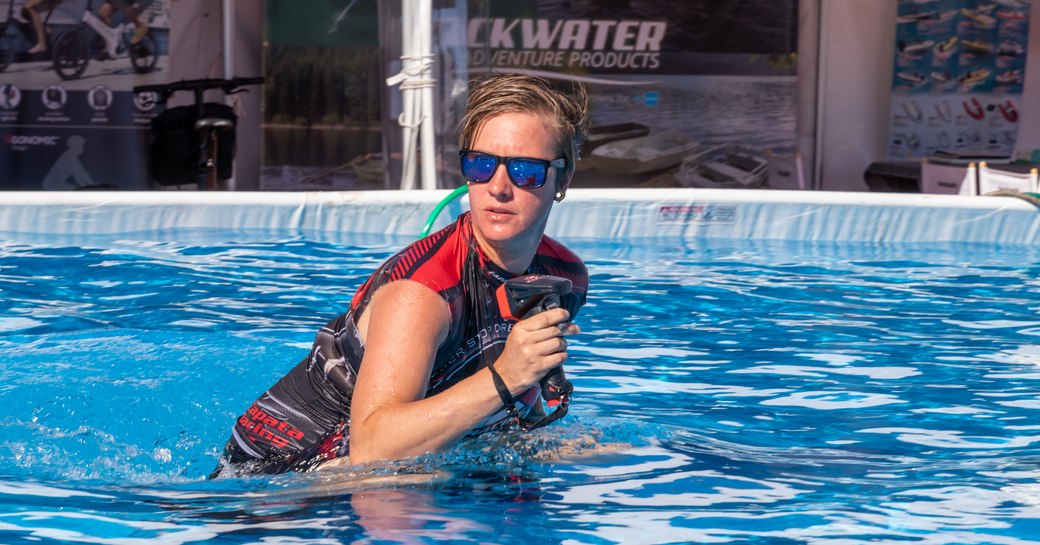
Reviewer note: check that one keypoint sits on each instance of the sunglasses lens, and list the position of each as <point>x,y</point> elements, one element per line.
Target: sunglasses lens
<point>478,167</point>
<point>526,173</point>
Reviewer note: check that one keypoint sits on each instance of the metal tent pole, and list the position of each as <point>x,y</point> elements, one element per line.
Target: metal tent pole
<point>429,145</point>
<point>229,59</point>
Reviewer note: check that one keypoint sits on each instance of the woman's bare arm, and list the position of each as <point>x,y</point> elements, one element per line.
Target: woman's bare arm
<point>402,328</point>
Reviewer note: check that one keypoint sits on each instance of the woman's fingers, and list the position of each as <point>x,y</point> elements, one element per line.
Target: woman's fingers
<point>549,324</point>
<point>551,344</point>
<point>535,345</point>
<point>549,318</point>
<point>569,329</point>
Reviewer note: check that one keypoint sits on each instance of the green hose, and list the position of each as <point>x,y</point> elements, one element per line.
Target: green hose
<point>440,206</point>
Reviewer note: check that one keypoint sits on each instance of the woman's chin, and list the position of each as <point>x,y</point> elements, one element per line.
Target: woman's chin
<point>501,232</point>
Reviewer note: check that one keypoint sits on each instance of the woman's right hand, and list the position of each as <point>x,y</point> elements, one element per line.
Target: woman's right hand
<point>534,346</point>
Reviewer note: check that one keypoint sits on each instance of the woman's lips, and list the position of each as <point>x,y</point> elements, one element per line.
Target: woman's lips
<point>499,213</point>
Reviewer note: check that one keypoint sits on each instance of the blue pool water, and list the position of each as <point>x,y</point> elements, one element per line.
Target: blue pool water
<point>726,392</point>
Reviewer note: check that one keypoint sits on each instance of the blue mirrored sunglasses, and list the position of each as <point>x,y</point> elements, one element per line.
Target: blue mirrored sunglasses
<point>525,172</point>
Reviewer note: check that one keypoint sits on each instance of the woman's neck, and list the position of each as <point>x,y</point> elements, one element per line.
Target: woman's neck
<point>515,256</point>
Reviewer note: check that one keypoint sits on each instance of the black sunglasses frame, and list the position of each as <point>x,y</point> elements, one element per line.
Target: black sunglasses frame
<point>499,161</point>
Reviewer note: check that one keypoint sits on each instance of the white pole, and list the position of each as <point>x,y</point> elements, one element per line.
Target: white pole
<point>429,146</point>
<point>229,60</point>
<point>821,96</point>
<point>407,117</point>
<point>229,38</point>
<point>416,81</point>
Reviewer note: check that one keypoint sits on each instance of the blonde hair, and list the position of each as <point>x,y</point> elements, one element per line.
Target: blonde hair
<point>496,94</point>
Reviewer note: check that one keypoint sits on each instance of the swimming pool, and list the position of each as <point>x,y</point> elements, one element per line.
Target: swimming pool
<point>728,390</point>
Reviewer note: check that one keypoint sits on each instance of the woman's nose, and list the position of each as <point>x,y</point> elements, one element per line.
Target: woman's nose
<point>499,185</point>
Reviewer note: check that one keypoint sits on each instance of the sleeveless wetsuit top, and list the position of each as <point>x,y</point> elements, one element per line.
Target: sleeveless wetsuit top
<point>304,418</point>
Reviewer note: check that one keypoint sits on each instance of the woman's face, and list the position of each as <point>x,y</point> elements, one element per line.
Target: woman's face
<point>504,214</point>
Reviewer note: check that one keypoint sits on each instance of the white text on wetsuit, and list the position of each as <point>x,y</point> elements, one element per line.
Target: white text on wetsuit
<point>486,337</point>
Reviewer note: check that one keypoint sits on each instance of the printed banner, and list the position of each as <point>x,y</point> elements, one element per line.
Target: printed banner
<point>698,93</point>
<point>705,95</point>
<point>68,117</point>
<point>959,70</point>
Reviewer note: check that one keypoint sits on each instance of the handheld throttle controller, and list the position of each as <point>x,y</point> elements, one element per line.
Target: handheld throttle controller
<point>525,296</point>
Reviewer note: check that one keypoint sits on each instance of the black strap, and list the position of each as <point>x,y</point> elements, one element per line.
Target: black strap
<point>510,404</point>
<point>503,392</point>
<point>559,413</point>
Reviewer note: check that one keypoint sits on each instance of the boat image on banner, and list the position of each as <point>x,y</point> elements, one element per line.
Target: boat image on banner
<point>973,54</point>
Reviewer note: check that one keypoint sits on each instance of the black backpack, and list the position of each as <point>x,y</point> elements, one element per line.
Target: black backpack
<point>175,155</point>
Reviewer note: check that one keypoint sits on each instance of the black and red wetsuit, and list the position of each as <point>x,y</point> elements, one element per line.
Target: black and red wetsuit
<point>304,418</point>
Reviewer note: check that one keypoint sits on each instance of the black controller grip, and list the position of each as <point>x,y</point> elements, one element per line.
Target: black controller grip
<point>523,297</point>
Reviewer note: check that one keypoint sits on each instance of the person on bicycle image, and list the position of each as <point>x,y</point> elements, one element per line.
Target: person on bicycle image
<point>31,10</point>
<point>130,8</point>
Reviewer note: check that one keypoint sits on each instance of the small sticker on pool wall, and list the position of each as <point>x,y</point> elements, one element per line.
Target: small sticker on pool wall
<point>696,213</point>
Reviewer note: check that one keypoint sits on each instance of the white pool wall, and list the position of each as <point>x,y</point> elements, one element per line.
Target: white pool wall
<point>625,214</point>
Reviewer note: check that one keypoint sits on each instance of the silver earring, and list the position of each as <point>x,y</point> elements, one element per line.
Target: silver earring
<point>559,196</point>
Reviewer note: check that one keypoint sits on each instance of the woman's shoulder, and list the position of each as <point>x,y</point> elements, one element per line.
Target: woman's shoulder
<point>561,261</point>
<point>550,247</point>
<point>435,260</point>
<point>432,261</point>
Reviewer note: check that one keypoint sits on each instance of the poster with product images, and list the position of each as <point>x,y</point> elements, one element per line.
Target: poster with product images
<point>696,93</point>
<point>68,117</point>
<point>957,83</point>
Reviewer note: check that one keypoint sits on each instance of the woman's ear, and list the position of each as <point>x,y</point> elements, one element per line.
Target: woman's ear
<point>563,184</point>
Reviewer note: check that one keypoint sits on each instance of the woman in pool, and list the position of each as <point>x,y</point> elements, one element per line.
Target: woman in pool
<point>411,366</point>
